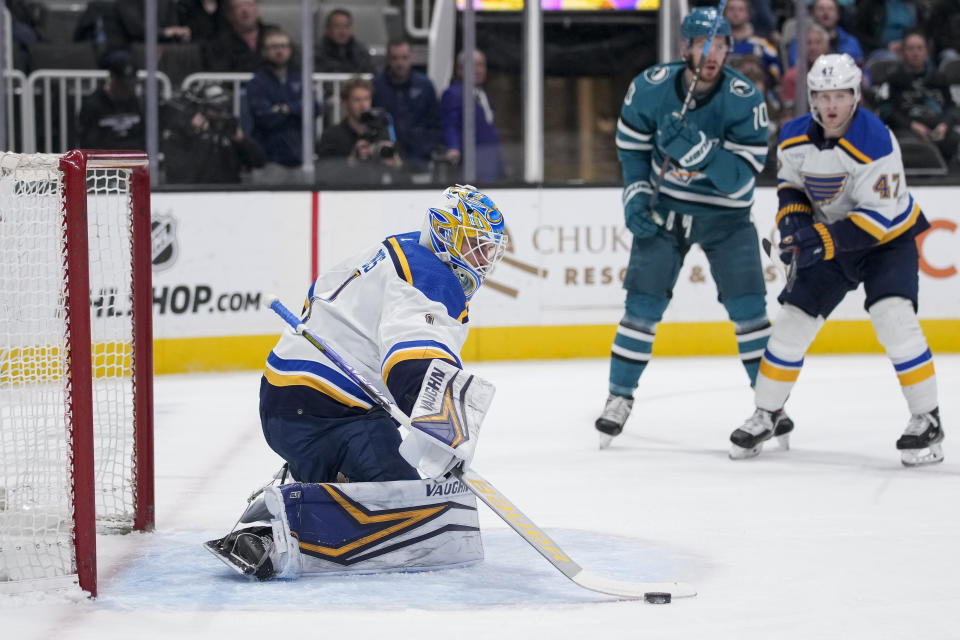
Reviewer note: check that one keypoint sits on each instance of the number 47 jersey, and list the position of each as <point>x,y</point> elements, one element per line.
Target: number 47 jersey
<point>857,176</point>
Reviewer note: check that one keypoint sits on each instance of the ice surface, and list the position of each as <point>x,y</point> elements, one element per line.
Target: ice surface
<point>833,539</point>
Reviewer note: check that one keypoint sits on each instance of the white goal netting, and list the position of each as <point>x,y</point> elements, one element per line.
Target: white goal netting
<point>36,383</point>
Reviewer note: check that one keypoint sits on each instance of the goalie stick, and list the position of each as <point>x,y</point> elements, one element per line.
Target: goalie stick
<point>655,196</point>
<point>492,497</point>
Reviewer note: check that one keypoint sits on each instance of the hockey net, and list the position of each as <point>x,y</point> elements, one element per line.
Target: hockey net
<point>76,450</point>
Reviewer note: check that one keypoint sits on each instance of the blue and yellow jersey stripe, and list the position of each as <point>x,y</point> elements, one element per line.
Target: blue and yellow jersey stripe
<point>780,370</point>
<point>884,230</point>
<point>915,370</point>
<point>281,372</point>
<point>416,350</point>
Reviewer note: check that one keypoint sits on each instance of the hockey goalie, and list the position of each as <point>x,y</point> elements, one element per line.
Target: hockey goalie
<point>355,494</point>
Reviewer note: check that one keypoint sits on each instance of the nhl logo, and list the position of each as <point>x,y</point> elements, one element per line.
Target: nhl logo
<point>163,232</point>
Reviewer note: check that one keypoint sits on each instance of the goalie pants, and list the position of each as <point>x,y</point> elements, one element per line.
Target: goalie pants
<point>730,243</point>
<point>364,448</point>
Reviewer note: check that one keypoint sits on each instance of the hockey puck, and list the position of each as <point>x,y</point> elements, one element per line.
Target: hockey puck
<point>657,597</point>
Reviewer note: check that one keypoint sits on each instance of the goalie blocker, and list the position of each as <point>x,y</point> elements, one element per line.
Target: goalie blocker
<point>363,527</point>
<point>446,419</point>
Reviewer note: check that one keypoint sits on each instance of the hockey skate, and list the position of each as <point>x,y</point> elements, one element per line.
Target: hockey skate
<point>761,426</point>
<point>920,443</point>
<point>611,421</point>
<point>246,551</point>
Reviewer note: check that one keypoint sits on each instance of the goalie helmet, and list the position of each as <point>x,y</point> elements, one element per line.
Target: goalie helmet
<point>699,22</point>
<point>833,71</point>
<point>465,230</point>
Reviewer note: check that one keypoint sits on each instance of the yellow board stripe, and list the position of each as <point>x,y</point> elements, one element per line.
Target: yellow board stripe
<point>852,150</point>
<point>828,249</point>
<point>235,353</point>
<point>917,375</point>
<point>404,265</point>
<point>281,380</point>
<point>405,520</point>
<point>776,373</point>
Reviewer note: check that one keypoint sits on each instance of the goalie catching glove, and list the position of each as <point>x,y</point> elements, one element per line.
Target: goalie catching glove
<point>446,420</point>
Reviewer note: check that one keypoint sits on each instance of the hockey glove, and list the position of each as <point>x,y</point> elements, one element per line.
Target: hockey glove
<point>684,142</point>
<point>813,243</point>
<point>638,218</point>
<point>789,223</point>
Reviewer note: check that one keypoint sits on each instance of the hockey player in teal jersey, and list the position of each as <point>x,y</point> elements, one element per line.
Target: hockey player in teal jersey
<point>846,218</point>
<point>717,148</point>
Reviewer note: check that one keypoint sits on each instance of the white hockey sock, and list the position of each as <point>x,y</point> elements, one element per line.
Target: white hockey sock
<point>793,331</point>
<point>899,331</point>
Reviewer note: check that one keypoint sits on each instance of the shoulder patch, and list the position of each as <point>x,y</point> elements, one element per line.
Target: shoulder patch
<point>657,74</point>
<point>742,88</point>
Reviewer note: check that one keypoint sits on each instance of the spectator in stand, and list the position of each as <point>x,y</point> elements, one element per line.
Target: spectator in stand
<point>360,149</point>
<point>943,27</point>
<point>826,13</point>
<point>238,45</point>
<point>202,17</point>
<point>409,97</point>
<point>920,104</point>
<point>202,142</point>
<point>818,44</point>
<point>745,43</point>
<point>490,164</point>
<point>881,24</point>
<point>339,51</point>
<point>132,20</point>
<point>112,116</point>
<point>275,97</point>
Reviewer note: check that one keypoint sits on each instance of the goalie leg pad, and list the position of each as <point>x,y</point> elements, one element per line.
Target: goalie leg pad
<point>371,527</point>
<point>446,419</point>
<point>899,331</point>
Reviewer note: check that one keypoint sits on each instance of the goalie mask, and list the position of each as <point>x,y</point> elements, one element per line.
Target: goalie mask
<point>466,230</point>
<point>829,72</point>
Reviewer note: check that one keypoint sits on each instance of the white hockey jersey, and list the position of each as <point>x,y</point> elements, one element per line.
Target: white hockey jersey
<point>858,176</point>
<point>388,311</point>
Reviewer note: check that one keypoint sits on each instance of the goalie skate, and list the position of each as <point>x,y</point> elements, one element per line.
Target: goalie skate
<point>246,551</point>
<point>747,441</point>
<point>614,416</point>
<point>920,443</point>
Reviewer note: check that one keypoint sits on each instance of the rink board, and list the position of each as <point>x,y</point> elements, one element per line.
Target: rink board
<point>556,295</point>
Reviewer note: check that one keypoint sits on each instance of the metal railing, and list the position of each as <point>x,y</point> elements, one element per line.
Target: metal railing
<point>66,87</point>
<point>236,82</point>
<point>15,82</point>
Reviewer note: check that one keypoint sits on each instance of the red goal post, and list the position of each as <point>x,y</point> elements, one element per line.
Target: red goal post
<point>76,363</point>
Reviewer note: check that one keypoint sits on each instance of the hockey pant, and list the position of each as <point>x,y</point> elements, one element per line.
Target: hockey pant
<point>732,249</point>
<point>361,448</point>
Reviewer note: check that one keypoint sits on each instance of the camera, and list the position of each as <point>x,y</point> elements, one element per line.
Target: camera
<point>378,133</point>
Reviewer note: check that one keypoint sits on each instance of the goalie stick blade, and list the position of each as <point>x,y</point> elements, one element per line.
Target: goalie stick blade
<point>551,551</point>
<point>631,590</point>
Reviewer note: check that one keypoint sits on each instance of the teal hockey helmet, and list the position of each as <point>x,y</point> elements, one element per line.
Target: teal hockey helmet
<point>466,230</point>
<point>699,22</point>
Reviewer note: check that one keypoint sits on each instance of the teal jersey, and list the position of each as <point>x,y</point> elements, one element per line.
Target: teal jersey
<point>732,114</point>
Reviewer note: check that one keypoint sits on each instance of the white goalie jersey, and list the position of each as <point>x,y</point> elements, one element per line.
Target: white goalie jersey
<point>858,176</point>
<point>392,310</point>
